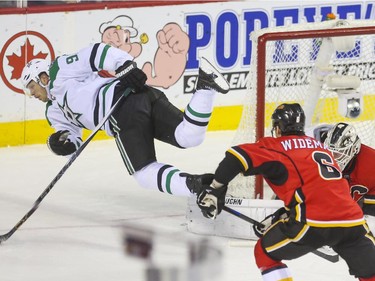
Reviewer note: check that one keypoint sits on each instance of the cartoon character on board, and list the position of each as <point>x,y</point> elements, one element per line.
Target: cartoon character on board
<point>170,57</point>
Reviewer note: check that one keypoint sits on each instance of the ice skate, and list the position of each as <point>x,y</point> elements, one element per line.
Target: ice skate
<point>210,78</point>
<point>327,253</point>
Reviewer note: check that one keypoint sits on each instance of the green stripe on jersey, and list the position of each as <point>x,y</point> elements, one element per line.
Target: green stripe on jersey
<point>53,73</point>
<point>48,104</point>
<point>102,57</point>
<point>103,95</point>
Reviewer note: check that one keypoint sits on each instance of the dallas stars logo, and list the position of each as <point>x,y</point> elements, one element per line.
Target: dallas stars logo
<point>71,116</point>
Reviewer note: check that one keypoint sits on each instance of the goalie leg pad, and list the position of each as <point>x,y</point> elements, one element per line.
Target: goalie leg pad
<point>225,224</point>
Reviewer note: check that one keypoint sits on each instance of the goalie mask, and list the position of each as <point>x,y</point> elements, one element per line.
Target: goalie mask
<point>290,118</point>
<point>32,72</point>
<point>343,141</point>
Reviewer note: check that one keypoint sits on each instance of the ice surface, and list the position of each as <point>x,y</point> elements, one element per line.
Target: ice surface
<point>76,233</point>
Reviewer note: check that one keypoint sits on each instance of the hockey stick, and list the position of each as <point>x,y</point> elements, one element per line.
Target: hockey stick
<point>319,252</point>
<point>242,216</point>
<point>74,156</point>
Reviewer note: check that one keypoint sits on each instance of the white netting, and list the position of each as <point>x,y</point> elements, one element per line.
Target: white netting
<point>297,69</point>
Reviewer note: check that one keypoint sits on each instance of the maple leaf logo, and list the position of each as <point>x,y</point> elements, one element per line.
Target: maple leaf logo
<point>18,62</point>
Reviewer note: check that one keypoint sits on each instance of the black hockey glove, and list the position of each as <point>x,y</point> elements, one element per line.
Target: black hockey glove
<point>211,200</point>
<point>195,183</point>
<point>59,143</point>
<point>131,76</point>
<point>281,213</point>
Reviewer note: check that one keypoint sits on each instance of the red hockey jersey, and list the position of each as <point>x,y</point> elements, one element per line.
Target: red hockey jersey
<point>302,173</point>
<point>361,178</point>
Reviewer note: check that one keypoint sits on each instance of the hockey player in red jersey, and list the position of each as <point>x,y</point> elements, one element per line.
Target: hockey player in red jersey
<point>356,161</point>
<point>302,173</point>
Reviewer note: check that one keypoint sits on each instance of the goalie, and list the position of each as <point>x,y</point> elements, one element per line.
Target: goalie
<point>303,174</point>
<point>356,160</point>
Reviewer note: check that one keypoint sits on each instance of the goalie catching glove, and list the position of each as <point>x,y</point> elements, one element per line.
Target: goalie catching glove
<point>60,144</point>
<point>211,199</point>
<point>131,76</point>
<point>280,214</point>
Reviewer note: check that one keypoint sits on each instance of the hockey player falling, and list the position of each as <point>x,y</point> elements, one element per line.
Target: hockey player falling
<point>77,97</point>
<point>319,208</point>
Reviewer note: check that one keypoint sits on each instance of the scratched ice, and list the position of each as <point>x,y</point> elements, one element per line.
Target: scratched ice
<point>76,233</point>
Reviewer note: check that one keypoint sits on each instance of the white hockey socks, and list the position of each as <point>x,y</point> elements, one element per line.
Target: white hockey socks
<point>192,130</point>
<point>277,274</point>
<point>164,178</point>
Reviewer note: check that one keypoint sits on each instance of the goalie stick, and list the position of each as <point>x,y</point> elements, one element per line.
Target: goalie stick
<point>74,156</point>
<point>324,253</point>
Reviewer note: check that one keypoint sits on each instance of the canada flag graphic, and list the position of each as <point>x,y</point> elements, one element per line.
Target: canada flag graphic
<point>18,51</point>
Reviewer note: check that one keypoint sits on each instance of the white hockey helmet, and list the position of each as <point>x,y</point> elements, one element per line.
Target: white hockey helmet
<point>32,71</point>
<point>343,141</point>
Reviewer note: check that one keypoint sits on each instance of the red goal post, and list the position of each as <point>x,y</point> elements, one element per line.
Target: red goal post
<point>311,63</point>
<point>336,48</point>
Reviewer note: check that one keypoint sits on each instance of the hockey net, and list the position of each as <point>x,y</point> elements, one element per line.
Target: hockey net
<point>309,64</point>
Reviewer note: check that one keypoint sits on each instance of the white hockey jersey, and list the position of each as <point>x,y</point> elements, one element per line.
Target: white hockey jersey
<point>79,97</point>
